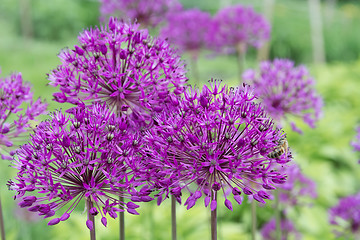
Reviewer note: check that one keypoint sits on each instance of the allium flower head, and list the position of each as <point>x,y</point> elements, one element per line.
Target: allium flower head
<point>120,65</point>
<point>236,25</point>
<point>346,214</point>
<point>14,95</point>
<point>218,139</point>
<point>146,12</point>
<point>286,90</point>
<point>268,231</point>
<point>188,29</point>
<point>74,157</point>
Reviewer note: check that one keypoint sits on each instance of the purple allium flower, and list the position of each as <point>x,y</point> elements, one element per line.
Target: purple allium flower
<point>286,90</point>
<point>346,214</point>
<point>217,138</point>
<point>15,122</point>
<point>188,30</point>
<point>296,185</point>
<point>238,25</point>
<point>120,65</point>
<point>74,157</point>
<point>288,229</point>
<point>146,12</point>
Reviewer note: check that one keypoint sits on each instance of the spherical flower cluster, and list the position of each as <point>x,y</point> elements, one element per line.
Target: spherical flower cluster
<point>288,230</point>
<point>146,12</point>
<point>286,90</point>
<point>74,157</point>
<point>216,140</point>
<point>188,30</point>
<point>14,93</point>
<point>120,65</point>
<point>297,185</point>
<point>236,26</point>
<point>347,211</point>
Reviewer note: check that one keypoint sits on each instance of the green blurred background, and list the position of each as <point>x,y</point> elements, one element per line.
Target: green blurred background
<point>324,153</point>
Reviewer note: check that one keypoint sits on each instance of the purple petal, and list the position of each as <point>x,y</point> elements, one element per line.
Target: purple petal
<point>54,221</point>
<point>213,205</point>
<point>228,204</point>
<point>90,224</point>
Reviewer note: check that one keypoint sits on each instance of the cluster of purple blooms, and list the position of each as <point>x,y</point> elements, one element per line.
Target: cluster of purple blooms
<point>146,12</point>
<point>120,65</point>
<point>137,130</point>
<point>346,215</point>
<point>15,121</point>
<point>230,28</point>
<point>78,156</point>
<point>216,140</point>
<point>192,30</point>
<point>286,90</point>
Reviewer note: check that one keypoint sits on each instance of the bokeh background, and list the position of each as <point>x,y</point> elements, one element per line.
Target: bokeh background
<point>34,31</point>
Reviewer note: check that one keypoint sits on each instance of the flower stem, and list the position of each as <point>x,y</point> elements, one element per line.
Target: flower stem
<point>214,218</point>
<point>121,221</point>
<point>2,228</point>
<point>277,216</point>
<point>241,49</point>
<point>92,219</point>
<point>194,68</point>
<point>253,220</point>
<point>173,218</point>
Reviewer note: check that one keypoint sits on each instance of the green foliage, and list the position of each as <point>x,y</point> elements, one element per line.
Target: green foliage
<point>53,20</point>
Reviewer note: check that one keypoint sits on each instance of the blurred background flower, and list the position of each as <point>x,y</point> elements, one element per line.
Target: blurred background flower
<point>147,13</point>
<point>346,216</point>
<point>15,95</point>
<point>286,90</point>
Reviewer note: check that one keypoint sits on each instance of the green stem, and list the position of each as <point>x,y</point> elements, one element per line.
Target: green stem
<point>253,220</point>
<point>2,228</point>
<point>241,49</point>
<point>121,221</point>
<point>92,219</point>
<point>214,218</point>
<point>173,218</point>
<point>277,215</point>
<point>194,68</point>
